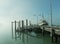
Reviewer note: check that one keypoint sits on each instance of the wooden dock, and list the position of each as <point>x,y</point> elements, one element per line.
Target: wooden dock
<point>34,28</point>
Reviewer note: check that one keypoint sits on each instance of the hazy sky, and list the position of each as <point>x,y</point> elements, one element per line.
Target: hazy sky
<point>11,10</point>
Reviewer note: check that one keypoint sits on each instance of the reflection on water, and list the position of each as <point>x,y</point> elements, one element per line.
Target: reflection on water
<point>29,38</point>
<point>24,38</point>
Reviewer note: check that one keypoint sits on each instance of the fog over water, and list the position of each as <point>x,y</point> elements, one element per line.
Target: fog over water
<point>11,10</point>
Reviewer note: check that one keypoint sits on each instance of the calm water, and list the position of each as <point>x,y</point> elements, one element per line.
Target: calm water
<point>6,38</point>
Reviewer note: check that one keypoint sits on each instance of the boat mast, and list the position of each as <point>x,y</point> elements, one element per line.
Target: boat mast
<point>51,10</point>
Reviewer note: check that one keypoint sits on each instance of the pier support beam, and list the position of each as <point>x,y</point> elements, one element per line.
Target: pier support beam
<point>15,29</point>
<point>26,23</point>
<point>12,29</point>
<point>22,24</point>
<point>30,23</point>
<point>19,25</point>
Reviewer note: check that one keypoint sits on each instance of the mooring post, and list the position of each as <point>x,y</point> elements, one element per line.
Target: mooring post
<point>19,25</point>
<point>23,31</point>
<point>27,24</point>
<point>19,29</point>
<point>12,29</point>
<point>15,29</point>
<point>22,24</point>
<point>27,29</point>
<point>30,23</point>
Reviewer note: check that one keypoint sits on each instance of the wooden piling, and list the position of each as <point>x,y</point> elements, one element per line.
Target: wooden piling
<point>26,23</point>
<point>19,25</point>
<point>19,29</point>
<point>23,31</point>
<point>15,29</point>
<point>30,23</point>
<point>27,29</point>
<point>22,24</point>
<point>12,29</point>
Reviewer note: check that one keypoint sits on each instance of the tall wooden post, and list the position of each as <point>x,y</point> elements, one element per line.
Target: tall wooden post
<point>22,24</point>
<point>27,29</point>
<point>19,29</point>
<point>19,25</point>
<point>30,23</point>
<point>23,30</point>
<point>15,29</point>
<point>12,29</point>
<point>26,22</point>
